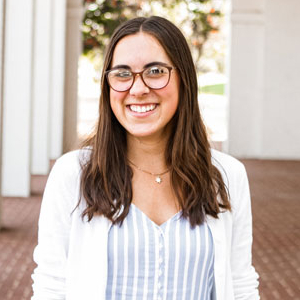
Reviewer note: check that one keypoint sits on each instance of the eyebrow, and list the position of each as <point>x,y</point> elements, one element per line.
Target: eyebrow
<point>154,63</point>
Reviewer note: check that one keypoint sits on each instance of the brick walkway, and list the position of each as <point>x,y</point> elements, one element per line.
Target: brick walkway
<point>275,188</point>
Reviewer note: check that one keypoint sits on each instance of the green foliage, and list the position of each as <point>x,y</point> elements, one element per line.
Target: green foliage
<point>196,18</point>
<point>216,89</point>
<point>101,19</point>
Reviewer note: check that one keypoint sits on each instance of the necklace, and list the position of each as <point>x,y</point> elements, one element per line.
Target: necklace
<point>158,178</point>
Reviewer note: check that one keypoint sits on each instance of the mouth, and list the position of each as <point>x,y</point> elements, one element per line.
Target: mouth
<point>142,108</point>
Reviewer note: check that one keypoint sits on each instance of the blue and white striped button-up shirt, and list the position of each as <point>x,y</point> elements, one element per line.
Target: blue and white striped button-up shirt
<point>171,261</point>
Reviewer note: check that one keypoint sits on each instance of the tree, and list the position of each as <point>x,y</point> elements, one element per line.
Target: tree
<point>196,18</point>
<point>101,19</point>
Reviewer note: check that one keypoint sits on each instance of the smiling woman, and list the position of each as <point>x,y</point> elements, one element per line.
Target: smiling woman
<point>146,209</point>
<point>156,86</point>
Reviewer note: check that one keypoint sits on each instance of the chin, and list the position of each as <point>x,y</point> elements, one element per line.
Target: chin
<point>144,133</point>
<point>149,132</point>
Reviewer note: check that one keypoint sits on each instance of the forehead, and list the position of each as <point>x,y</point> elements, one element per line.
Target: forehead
<point>137,50</point>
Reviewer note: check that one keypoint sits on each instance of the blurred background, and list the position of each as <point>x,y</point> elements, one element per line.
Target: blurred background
<point>246,55</point>
<point>247,59</point>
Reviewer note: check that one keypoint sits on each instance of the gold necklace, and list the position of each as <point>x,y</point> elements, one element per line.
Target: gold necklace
<point>158,178</point>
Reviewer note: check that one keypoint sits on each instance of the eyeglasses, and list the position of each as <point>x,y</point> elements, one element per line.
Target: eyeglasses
<point>155,77</point>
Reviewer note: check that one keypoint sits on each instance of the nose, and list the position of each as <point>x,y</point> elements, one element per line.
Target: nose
<point>138,88</point>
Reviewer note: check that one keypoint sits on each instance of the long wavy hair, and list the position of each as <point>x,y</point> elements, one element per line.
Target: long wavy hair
<point>106,179</point>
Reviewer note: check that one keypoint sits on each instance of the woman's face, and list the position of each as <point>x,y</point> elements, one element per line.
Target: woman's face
<point>142,111</point>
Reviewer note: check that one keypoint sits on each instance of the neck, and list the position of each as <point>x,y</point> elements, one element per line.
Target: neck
<point>148,154</point>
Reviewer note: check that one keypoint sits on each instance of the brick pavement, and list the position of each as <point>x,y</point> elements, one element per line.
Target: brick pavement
<point>275,189</point>
<point>18,237</point>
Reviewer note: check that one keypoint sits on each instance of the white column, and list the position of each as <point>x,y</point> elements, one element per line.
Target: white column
<point>1,77</point>
<point>57,78</point>
<point>246,91</point>
<point>41,87</point>
<point>281,122</point>
<point>17,98</point>
<point>264,81</point>
<point>73,50</point>
<point>1,68</point>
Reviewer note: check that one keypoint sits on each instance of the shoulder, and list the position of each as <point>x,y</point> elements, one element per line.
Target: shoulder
<point>67,168</point>
<point>232,170</point>
<point>226,162</point>
<point>63,184</point>
<point>72,161</point>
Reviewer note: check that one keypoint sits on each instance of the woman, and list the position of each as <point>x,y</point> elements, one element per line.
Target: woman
<point>160,215</point>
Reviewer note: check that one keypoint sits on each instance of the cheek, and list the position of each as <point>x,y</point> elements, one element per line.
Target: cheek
<point>173,107</point>
<point>115,101</point>
<point>173,97</point>
<point>172,102</point>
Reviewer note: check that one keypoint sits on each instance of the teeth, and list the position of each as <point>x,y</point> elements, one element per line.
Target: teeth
<point>142,109</point>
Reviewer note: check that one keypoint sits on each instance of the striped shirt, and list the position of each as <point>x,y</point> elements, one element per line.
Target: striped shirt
<point>170,262</point>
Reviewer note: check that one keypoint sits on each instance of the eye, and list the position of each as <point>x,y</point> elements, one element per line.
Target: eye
<point>123,73</point>
<point>156,71</point>
<point>120,75</point>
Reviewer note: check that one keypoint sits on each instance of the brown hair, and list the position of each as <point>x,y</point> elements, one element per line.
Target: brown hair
<point>106,176</point>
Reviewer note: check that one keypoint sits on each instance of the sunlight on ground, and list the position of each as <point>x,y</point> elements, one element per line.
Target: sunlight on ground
<point>213,107</point>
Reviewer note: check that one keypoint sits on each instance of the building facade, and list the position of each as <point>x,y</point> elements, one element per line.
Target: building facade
<point>39,48</point>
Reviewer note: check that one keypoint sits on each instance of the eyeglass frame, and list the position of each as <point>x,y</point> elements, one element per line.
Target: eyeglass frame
<point>170,68</point>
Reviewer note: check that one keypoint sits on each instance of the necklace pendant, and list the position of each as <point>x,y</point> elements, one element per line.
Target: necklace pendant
<point>158,179</point>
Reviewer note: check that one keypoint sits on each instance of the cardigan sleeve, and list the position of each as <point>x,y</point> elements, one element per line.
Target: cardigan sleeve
<point>245,278</point>
<point>59,199</point>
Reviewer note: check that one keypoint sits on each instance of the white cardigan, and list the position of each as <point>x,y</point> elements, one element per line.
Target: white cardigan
<point>71,254</point>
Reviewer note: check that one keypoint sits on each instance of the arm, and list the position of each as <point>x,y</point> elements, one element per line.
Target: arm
<point>51,253</point>
<point>245,279</point>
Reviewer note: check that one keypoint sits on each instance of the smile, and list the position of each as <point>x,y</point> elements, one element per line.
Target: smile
<point>142,108</point>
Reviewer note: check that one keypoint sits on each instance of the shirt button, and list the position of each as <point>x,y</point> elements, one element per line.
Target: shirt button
<point>160,260</point>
